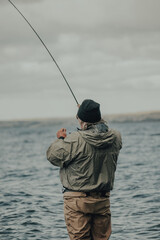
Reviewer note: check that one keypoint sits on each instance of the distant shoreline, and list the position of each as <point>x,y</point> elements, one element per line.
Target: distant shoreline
<point>119,118</point>
<point>134,117</point>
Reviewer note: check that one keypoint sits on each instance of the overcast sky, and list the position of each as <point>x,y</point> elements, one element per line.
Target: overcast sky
<point>109,51</point>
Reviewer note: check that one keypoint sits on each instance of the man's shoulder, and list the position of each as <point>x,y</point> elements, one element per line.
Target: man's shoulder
<point>115,132</point>
<point>117,136</point>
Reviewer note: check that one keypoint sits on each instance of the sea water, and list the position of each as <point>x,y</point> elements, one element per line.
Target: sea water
<point>31,199</point>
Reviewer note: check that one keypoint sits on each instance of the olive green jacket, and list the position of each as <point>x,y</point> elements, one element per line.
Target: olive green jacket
<point>87,159</point>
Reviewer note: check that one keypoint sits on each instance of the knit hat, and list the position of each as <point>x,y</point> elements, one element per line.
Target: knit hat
<point>89,111</point>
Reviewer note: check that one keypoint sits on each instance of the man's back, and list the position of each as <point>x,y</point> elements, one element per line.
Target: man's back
<point>87,158</point>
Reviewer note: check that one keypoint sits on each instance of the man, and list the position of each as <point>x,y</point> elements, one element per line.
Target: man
<point>87,160</point>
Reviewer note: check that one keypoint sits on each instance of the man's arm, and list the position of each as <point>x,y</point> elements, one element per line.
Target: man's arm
<point>61,152</point>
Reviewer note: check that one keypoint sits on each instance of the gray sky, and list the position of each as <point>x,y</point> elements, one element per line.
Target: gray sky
<point>109,51</point>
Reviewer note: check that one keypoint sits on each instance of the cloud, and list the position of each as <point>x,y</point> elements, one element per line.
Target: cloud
<point>104,48</point>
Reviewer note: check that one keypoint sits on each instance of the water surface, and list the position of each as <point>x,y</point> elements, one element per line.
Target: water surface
<point>31,202</point>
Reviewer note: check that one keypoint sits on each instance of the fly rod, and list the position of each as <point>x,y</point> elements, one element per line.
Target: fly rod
<point>46,49</point>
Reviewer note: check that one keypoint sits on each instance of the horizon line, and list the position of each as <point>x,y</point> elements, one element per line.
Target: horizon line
<point>72,117</point>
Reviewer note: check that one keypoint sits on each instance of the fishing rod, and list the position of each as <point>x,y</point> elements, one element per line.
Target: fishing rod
<point>46,49</point>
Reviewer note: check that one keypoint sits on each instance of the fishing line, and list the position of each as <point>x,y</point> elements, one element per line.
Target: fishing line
<point>46,49</point>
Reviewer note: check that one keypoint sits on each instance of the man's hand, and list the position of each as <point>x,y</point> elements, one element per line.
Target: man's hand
<point>62,133</point>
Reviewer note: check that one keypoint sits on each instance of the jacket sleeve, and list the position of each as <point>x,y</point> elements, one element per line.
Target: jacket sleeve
<point>62,152</point>
<point>119,140</point>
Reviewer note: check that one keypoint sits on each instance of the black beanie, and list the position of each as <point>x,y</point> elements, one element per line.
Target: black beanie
<point>89,111</point>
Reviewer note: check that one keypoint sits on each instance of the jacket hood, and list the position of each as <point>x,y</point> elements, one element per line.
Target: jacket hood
<point>98,135</point>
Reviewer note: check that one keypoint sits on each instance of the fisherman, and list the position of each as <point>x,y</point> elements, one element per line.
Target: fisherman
<point>87,159</point>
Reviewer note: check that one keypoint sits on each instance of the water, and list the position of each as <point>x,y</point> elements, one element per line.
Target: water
<point>31,202</point>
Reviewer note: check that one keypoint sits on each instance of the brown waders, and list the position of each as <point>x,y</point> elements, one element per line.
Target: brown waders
<point>87,215</point>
